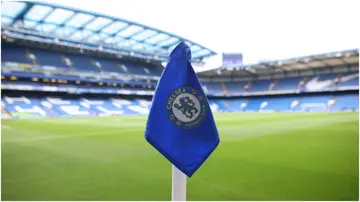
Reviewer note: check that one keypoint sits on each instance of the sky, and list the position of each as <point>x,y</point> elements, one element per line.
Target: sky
<point>260,29</point>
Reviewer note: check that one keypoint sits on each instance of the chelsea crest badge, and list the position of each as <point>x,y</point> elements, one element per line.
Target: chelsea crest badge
<point>186,107</point>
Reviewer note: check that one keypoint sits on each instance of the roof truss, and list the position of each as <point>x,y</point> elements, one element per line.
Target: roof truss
<point>59,21</point>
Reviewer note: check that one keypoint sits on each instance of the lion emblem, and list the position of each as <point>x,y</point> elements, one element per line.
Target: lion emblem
<point>187,107</point>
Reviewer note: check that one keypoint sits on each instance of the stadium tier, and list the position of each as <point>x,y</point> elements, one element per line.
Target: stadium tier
<point>328,82</point>
<point>68,61</point>
<point>63,107</point>
<point>290,93</point>
<point>31,59</point>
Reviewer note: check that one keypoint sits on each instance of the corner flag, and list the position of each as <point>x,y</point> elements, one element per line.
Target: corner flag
<point>180,123</point>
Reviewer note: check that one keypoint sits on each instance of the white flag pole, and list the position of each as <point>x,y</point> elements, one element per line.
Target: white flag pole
<point>178,185</point>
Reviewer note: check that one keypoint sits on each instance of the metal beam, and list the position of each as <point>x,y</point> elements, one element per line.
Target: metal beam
<point>64,23</point>
<point>162,40</point>
<point>21,15</point>
<point>47,15</point>
<point>116,32</point>
<point>134,34</point>
<point>102,15</point>
<point>201,49</point>
<point>68,19</point>
<point>82,26</point>
<point>126,38</point>
<point>87,45</point>
<point>104,26</point>
<point>169,45</point>
<point>41,22</point>
<point>99,30</point>
<point>156,33</point>
<point>203,56</point>
<point>50,23</point>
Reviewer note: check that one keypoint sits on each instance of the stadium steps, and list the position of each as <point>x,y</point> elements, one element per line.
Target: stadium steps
<point>225,90</point>
<point>273,85</point>
<point>227,105</point>
<point>27,55</point>
<point>63,59</point>
<point>55,111</point>
<point>245,104</point>
<point>97,66</point>
<point>337,81</point>
<point>93,112</point>
<point>123,69</point>
<point>5,111</point>
<point>302,83</point>
<point>329,105</point>
<point>248,86</point>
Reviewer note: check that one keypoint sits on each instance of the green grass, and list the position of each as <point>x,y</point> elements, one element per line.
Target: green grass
<point>279,156</point>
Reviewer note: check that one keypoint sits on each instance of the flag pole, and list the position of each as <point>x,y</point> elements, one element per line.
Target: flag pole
<point>178,185</point>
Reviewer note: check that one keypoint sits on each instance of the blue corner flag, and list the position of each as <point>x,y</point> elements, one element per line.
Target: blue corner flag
<point>180,123</point>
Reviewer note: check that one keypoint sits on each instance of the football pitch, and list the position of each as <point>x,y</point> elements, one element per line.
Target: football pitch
<point>261,156</point>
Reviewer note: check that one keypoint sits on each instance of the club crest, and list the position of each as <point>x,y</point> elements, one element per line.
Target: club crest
<point>186,107</point>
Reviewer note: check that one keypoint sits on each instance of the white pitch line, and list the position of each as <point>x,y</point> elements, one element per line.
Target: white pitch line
<point>57,136</point>
<point>6,127</point>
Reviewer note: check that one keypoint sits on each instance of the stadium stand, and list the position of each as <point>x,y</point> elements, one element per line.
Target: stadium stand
<point>57,106</point>
<point>64,107</point>
<point>260,86</point>
<point>52,75</point>
<point>86,64</point>
<point>18,54</point>
<point>315,83</point>
<point>236,87</point>
<point>288,83</point>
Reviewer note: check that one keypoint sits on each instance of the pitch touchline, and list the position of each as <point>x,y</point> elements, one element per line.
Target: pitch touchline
<point>64,136</point>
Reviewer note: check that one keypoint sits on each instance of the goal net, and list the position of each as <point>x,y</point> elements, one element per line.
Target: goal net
<point>313,107</point>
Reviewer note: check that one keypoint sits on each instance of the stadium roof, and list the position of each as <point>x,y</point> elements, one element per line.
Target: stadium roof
<point>85,27</point>
<point>327,60</point>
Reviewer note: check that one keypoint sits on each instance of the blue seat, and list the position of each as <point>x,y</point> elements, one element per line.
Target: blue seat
<point>260,86</point>
<point>288,83</point>
<point>11,53</point>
